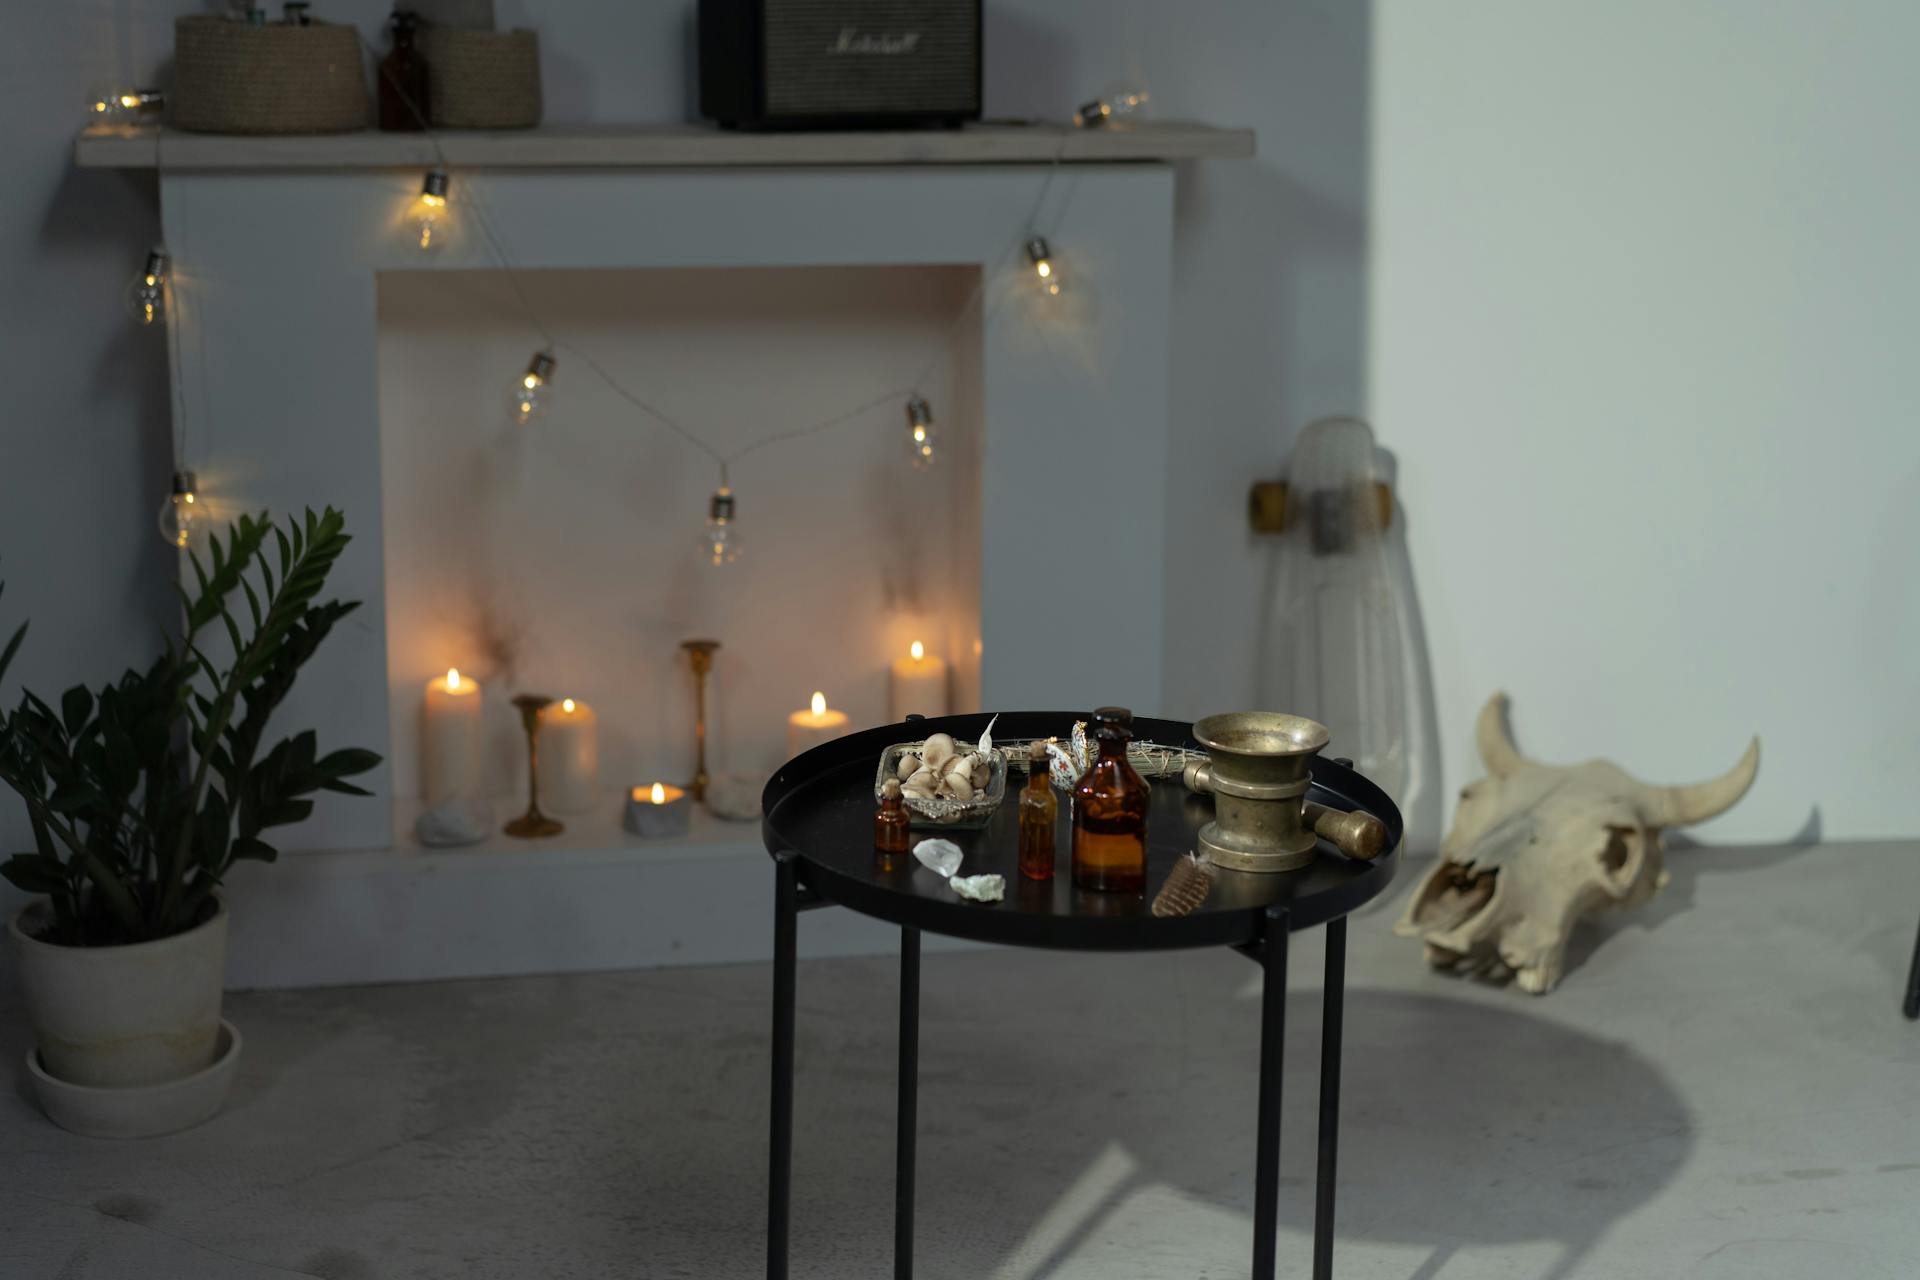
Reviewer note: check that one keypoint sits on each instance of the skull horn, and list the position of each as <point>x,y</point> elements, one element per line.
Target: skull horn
<point>1496,743</point>
<point>1678,806</point>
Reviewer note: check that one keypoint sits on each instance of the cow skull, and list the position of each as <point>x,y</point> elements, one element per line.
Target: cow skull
<point>1535,847</point>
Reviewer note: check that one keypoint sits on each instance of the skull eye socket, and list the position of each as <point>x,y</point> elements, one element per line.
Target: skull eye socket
<point>1619,849</point>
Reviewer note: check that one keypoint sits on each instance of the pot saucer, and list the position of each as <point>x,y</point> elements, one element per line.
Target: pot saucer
<point>142,1111</point>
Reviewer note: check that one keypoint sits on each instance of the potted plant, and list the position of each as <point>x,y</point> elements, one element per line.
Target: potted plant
<point>140,796</point>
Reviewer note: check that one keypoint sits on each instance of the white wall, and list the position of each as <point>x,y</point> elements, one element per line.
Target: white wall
<point>561,556</point>
<point>1642,334</point>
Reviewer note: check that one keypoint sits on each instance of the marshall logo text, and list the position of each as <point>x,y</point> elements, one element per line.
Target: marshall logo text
<point>883,44</point>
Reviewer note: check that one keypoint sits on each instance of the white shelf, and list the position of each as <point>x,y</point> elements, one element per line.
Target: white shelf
<point>661,146</point>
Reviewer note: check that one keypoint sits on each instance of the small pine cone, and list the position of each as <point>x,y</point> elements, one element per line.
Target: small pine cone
<point>1186,888</point>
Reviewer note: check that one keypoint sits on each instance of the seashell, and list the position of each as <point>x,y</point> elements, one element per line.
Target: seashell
<point>960,786</point>
<point>909,762</point>
<point>924,780</point>
<point>937,750</point>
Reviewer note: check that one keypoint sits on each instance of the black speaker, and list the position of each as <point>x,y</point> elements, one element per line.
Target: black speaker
<point>839,64</point>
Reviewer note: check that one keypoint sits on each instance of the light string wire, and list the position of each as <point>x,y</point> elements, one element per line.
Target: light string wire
<point>170,313</point>
<point>555,344</point>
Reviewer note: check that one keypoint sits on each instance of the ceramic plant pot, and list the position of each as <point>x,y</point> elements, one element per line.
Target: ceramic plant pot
<point>123,1017</point>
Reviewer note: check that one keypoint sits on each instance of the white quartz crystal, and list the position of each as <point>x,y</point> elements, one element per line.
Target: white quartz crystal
<point>980,888</point>
<point>941,856</point>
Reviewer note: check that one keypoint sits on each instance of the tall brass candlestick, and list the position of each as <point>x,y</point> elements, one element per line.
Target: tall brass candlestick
<point>700,654</point>
<point>533,824</point>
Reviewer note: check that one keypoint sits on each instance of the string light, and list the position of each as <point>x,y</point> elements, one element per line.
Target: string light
<point>182,515</point>
<point>430,210</point>
<point>1045,270</point>
<point>530,393</point>
<point>920,432</point>
<point>124,106</point>
<point>1123,107</point>
<point>147,295</point>
<point>720,540</point>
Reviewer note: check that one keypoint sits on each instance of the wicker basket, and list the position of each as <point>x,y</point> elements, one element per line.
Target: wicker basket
<point>482,79</point>
<point>232,77</point>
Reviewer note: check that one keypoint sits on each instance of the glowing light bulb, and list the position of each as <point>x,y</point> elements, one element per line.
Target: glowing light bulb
<point>182,515</point>
<point>430,211</point>
<point>531,392</point>
<point>453,677</point>
<point>147,295</point>
<point>658,795</point>
<point>1121,108</point>
<point>819,703</point>
<point>918,650</point>
<point>124,106</point>
<point>921,433</point>
<point>720,540</point>
<point>1045,269</point>
<point>566,705</point>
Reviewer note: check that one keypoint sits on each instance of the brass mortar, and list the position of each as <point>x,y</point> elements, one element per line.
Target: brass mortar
<point>1257,771</point>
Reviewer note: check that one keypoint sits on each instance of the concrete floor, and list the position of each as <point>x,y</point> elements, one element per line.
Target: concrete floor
<point>1722,1089</point>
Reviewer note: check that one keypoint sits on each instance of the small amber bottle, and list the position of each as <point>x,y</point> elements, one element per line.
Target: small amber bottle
<point>1110,812</point>
<point>892,823</point>
<point>1038,809</point>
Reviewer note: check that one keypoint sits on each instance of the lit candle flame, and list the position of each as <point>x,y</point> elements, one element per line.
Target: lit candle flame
<point>566,705</point>
<point>819,704</point>
<point>453,677</point>
<point>659,794</point>
<point>918,650</point>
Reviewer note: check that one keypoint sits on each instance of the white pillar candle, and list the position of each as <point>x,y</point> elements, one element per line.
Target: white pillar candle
<point>918,684</point>
<point>450,740</point>
<point>814,726</point>
<point>569,757</point>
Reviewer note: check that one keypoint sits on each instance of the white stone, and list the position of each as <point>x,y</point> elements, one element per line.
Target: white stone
<point>940,856</point>
<point>980,888</point>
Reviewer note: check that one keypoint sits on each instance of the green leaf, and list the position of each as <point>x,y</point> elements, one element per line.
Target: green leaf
<point>31,873</point>
<point>13,647</point>
<point>250,847</point>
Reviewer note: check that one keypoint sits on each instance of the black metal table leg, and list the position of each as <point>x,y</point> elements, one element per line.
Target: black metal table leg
<point>1273,1033</point>
<point>780,1140</point>
<point>1912,1006</point>
<point>1333,1000</point>
<point>906,1122</point>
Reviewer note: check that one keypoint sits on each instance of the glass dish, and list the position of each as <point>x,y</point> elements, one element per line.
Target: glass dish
<point>948,815</point>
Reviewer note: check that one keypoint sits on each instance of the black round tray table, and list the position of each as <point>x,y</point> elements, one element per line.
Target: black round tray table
<point>818,826</point>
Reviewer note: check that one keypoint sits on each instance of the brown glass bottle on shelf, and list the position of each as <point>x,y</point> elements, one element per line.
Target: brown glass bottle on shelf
<point>1038,809</point>
<point>403,79</point>
<point>892,823</point>
<point>1110,812</point>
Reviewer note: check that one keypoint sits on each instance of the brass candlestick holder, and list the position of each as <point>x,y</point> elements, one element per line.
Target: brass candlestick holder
<point>533,824</point>
<point>700,654</point>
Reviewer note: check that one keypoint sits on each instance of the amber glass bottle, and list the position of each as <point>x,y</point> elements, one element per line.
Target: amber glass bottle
<point>1038,809</point>
<point>892,823</point>
<point>1110,812</point>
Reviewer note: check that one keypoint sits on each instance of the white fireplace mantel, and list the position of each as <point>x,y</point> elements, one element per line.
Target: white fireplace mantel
<point>277,244</point>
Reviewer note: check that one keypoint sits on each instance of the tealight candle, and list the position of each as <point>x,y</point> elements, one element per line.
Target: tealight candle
<point>659,810</point>
<point>813,726</point>
<point>569,757</point>
<point>918,685</point>
<point>450,739</point>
